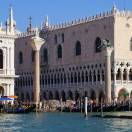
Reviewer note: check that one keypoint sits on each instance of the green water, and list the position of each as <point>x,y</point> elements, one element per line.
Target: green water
<point>61,122</point>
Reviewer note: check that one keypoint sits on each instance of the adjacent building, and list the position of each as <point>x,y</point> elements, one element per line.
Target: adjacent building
<point>7,69</point>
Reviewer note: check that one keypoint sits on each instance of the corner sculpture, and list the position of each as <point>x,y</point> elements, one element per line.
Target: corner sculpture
<point>105,43</point>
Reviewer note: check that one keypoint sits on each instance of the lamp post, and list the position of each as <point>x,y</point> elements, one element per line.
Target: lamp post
<point>36,43</point>
<point>86,106</point>
<point>101,108</point>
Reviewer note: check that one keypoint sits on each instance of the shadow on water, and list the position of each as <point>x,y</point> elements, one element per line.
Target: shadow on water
<point>61,122</point>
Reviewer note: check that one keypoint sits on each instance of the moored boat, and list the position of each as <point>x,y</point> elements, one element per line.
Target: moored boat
<point>16,110</point>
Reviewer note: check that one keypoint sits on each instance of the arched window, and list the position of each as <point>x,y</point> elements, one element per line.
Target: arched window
<point>58,79</point>
<point>98,76</point>
<point>90,76</point>
<point>62,35</point>
<point>55,39</point>
<point>52,79</point>
<point>94,76</point>
<point>45,55</point>
<point>79,78</point>
<point>45,82</point>
<point>98,45</point>
<point>33,55</point>
<point>75,77</point>
<point>59,51</point>
<point>82,76</point>
<point>103,76</point>
<point>78,48</point>
<point>86,76</point>
<point>1,59</point>
<point>71,77</point>
<point>65,78</point>
<point>20,57</point>
<point>48,79</point>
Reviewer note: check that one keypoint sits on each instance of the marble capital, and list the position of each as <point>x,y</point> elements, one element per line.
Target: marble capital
<point>37,42</point>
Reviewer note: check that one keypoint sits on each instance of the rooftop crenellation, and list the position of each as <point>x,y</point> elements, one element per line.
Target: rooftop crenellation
<point>80,21</point>
<point>113,12</point>
<point>26,34</point>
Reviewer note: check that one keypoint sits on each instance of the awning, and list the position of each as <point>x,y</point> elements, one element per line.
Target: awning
<point>12,96</point>
<point>4,99</point>
<point>15,97</point>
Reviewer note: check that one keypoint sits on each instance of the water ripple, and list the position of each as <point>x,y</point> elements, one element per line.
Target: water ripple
<point>61,122</point>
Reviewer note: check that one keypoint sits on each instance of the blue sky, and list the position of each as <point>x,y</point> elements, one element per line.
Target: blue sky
<point>57,10</point>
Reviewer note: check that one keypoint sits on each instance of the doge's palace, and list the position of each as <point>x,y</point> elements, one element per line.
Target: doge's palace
<point>73,64</point>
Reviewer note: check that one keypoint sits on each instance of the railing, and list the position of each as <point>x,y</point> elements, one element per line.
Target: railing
<point>83,84</point>
<point>124,82</point>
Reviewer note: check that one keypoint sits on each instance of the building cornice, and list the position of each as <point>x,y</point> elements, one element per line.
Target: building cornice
<point>96,17</point>
<point>8,36</point>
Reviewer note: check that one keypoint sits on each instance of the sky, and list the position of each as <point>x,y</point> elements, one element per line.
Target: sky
<point>58,11</point>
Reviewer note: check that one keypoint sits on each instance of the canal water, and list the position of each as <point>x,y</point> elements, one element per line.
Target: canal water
<point>61,122</point>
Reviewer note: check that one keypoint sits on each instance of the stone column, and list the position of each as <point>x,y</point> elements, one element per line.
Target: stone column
<point>8,61</point>
<point>115,73</point>
<point>4,60</point>
<point>36,43</point>
<point>100,77</point>
<point>127,75</point>
<point>97,97</point>
<point>67,81</point>
<point>37,78</point>
<point>121,76</point>
<point>107,54</point>
<point>77,78</point>
<point>92,81</point>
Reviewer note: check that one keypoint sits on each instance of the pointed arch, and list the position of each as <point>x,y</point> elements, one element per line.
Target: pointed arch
<point>70,95</point>
<point>27,96</point>
<point>85,94</point>
<point>32,55</point>
<point>125,74</point>
<point>57,96</point>
<point>93,95</point>
<point>97,45</point>
<point>20,57</point>
<point>63,95</point>
<point>1,91</point>
<point>86,76</point>
<point>59,51</point>
<point>130,75</point>
<point>45,55</point>
<point>44,96</point>
<point>77,95</point>
<point>123,95</point>
<point>22,96</point>
<point>101,97</point>
<point>78,48</point>
<point>50,95</point>
<point>118,75</point>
